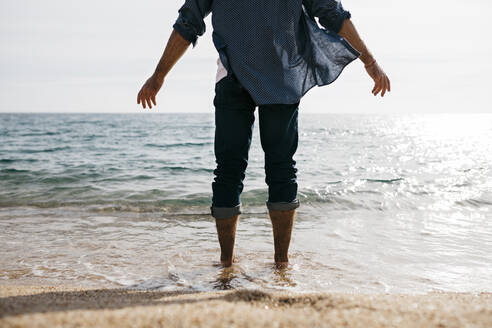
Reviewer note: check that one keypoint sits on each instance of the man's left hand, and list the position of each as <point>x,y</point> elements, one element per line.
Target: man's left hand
<point>147,94</point>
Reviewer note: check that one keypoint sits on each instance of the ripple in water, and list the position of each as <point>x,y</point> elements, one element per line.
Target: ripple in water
<point>388,204</point>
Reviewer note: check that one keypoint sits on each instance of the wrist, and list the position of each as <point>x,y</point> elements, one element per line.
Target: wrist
<point>370,63</point>
<point>367,59</point>
<point>159,76</point>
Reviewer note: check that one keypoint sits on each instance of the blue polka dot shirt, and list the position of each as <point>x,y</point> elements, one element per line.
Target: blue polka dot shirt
<point>275,48</point>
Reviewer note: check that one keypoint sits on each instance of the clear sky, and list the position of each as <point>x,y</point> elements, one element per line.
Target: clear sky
<point>93,56</point>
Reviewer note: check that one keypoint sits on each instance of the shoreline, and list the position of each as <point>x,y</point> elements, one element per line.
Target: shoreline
<point>71,306</point>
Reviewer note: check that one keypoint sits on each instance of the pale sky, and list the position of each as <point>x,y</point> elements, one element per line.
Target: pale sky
<point>93,56</point>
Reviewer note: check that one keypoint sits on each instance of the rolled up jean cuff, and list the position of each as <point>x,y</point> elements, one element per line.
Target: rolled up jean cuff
<point>225,212</point>
<point>283,206</point>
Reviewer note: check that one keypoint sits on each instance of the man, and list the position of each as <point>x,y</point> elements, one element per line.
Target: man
<point>271,52</point>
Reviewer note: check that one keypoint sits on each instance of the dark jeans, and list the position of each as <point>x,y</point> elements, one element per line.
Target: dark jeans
<point>234,118</point>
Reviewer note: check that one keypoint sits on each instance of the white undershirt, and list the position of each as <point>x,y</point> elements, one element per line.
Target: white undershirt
<point>221,71</point>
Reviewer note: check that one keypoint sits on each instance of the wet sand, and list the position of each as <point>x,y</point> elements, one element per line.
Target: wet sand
<point>50,306</point>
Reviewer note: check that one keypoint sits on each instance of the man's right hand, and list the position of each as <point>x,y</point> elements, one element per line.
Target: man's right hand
<point>381,80</point>
<point>147,94</point>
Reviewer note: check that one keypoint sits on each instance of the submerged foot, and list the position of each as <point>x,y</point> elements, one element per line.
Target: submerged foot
<point>227,262</point>
<point>281,261</point>
<point>282,223</point>
<point>281,265</point>
<point>226,231</point>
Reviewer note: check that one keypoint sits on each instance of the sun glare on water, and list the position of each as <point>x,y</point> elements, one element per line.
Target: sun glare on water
<point>455,126</point>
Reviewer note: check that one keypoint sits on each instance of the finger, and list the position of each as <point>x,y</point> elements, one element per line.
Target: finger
<point>377,88</point>
<point>153,100</point>
<point>380,85</point>
<point>148,101</point>
<point>385,87</point>
<point>389,84</point>
<point>143,101</point>
<point>138,97</point>
<point>386,83</point>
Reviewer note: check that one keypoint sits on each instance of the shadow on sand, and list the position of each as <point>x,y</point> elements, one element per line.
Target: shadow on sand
<point>111,299</point>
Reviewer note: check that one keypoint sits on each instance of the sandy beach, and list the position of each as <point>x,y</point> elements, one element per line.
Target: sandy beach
<point>50,306</point>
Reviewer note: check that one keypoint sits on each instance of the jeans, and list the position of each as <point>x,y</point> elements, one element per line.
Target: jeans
<point>234,119</point>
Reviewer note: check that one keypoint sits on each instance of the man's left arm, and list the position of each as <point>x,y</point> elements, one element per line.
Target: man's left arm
<point>188,27</point>
<point>175,48</point>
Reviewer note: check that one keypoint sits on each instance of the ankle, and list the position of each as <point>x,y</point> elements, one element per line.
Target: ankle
<point>226,262</point>
<point>281,214</point>
<point>226,231</point>
<point>282,223</point>
<point>281,258</point>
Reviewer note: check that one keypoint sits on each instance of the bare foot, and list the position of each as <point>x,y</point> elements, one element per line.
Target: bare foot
<point>281,265</point>
<point>226,263</point>
<point>226,231</point>
<point>282,223</point>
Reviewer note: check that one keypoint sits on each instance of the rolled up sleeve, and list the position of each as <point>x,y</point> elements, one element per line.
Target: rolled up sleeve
<point>330,13</point>
<point>190,22</point>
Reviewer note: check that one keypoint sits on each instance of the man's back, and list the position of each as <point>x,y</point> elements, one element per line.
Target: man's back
<point>274,47</point>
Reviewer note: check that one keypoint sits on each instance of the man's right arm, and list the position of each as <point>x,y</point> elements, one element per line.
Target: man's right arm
<point>381,80</point>
<point>334,17</point>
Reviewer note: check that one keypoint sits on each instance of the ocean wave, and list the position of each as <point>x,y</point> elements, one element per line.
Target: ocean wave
<point>13,171</point>
<point>181,144</point>
<point>185,168</point>
<point>162,162</point>
<point>40,134</point>
<point>17,160</point>
<point>472,202</point>
<point>45,150</point>
<point>160,200</point>
<point>384,180</point>
<point>31,178</point>
<point>93,198</point>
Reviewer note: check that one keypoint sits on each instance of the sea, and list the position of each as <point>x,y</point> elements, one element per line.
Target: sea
<point>388,204</point>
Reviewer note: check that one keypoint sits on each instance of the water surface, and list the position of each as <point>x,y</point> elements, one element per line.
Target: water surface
<point>388,204</point>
